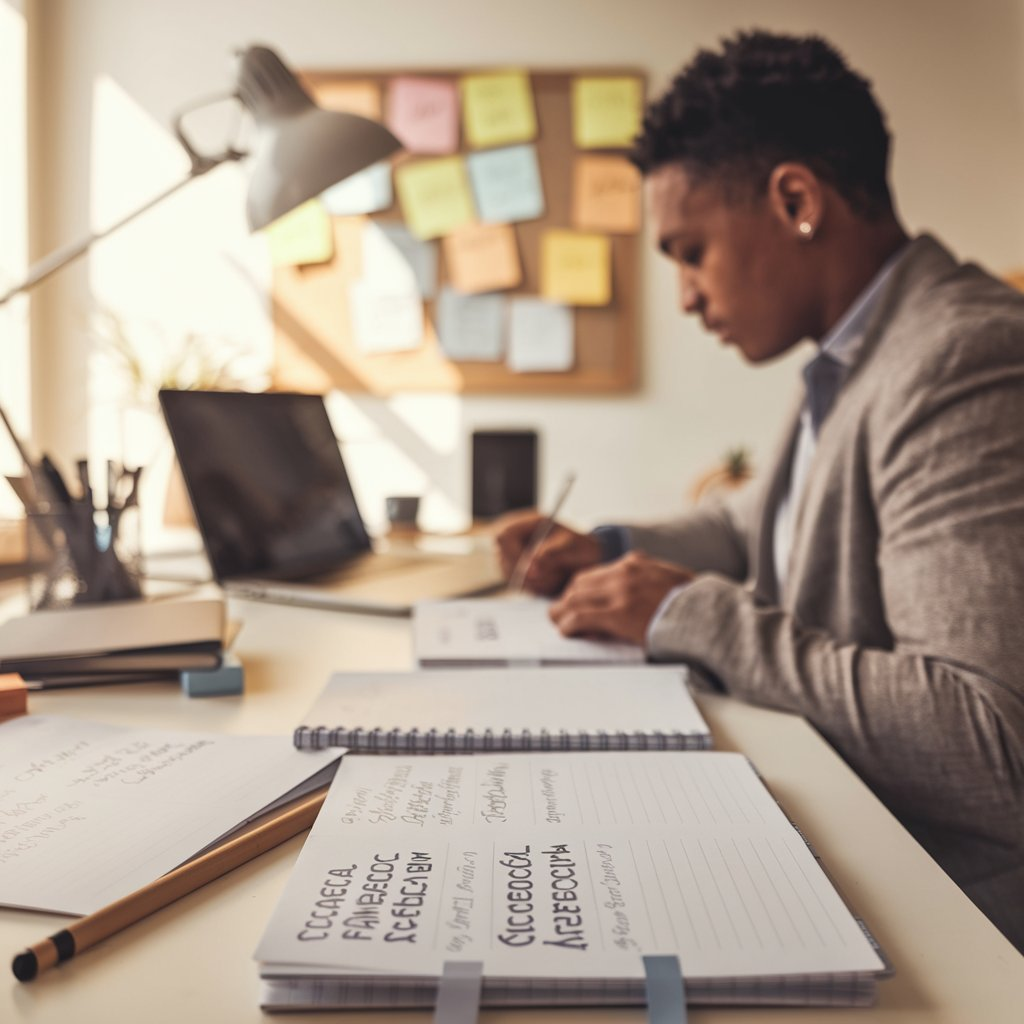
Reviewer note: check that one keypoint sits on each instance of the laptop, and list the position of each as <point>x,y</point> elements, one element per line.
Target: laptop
<point>278,517</point>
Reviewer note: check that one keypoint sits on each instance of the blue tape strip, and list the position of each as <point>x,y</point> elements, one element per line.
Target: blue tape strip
<point>458,992</point>
<point>666,994</point>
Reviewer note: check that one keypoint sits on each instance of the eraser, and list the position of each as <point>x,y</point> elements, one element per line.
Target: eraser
<point>13,696</point>
<point>215,682</point>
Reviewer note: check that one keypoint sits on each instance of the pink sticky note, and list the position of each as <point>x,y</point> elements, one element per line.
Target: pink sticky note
<point>424,114</point>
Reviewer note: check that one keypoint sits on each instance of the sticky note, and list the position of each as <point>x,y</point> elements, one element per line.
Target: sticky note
<point>497,109</point>
<point>606,112</point>
<point>385,319</point>
<point>575,267</point>
<point>482,258</point>
<point>606,194</point>
<point>304,235</point>
<point>354,97</point>
<point>471,327</point>
<point>424,114</point>
<point>506,184</point>
<point>435,195</point>
<point>367,191</point>
<point>540,336</point>
<point>392,253</point>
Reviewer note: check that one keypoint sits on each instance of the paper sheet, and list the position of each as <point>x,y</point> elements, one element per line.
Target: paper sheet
<point>398,261</point>
<point>606,194</point>
<point>435,195</point>
<point>606,112</point>
<point>367,191</point>
<point>91,812</point>
<point>424,114</point>
<point>482,258</point>
<point>497,109</point>
<point>507,184</point>
<point>576,268</point>
<point>540,336</point>
<point>471,327</point>
<point>385,318</point>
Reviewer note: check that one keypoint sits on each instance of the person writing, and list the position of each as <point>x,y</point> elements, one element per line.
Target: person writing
<point>873,580</point>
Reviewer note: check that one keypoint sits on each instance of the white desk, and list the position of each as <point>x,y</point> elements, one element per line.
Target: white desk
<point>191,963</point>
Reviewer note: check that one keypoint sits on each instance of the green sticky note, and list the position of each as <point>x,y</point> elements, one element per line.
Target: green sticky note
<point>304,235</point>
<point>435,196</point>
<point>606,112</point>
<point>497,109</point>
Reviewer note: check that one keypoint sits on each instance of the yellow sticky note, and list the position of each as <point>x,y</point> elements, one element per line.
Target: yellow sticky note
<point>606,112</point>
<point>435,195</point>
<point>497,109</point>
<point>606,194</point>
<point>576,267</point>
<point>482,258</point>
<point>304,235</point>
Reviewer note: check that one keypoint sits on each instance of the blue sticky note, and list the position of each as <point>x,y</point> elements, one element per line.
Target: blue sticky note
<point>471,326</point>
<point>506,184</point>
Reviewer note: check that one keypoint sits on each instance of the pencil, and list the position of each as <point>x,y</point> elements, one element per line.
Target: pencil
<point>525,560</point>
<point>88,931</point>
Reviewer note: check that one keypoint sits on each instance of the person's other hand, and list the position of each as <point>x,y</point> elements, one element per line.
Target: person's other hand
<point>562,553</point>
<point>617,600</point>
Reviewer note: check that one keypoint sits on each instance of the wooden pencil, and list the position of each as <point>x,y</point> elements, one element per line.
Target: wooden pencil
<point>93,928</point>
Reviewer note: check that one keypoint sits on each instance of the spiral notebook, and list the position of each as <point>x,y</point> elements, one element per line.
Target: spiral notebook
<point>557,873</point>
<point>469,710</point>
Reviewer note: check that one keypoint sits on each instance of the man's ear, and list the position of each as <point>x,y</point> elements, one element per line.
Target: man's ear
<point>797,199</point>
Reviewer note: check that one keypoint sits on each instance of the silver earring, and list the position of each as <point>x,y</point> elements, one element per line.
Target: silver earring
<point>806,229</point>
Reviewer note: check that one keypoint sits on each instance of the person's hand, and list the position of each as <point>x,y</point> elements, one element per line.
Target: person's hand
<point>617,600</point>
<point>562,553</point>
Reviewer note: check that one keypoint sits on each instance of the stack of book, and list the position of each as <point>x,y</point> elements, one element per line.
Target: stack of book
<point>114,642</point>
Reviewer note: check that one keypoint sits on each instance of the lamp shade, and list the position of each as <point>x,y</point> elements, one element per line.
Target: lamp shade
<point>300,149</point>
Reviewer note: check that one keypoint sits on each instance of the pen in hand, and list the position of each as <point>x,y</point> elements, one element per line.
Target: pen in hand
<point>525,560</point>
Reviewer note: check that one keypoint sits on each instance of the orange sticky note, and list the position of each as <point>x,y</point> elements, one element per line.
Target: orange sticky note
<point>576,268</point>
<point>482,258</point>
<point>362,98</point>
<point>606,194</point>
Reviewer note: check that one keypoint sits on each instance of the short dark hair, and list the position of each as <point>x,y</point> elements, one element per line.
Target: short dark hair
<point>763,99</point>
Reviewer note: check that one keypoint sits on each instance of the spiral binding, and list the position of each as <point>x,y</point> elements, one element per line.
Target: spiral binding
<point>437,741</point>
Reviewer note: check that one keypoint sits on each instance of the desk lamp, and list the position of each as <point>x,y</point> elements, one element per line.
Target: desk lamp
<point>300,150</point>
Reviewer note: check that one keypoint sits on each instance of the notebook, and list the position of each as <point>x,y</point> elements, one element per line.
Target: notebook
<point>509,709</point>
<point>489,632</point>
<point>558,872</point>
<point>278,516</point>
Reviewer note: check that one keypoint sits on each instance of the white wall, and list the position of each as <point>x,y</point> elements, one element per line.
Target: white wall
<point>949,74</point>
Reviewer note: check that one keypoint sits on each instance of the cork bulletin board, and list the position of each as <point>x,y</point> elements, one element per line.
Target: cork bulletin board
<point>314,343</point>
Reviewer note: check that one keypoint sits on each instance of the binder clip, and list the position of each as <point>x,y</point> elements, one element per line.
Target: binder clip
<point>216,682</point>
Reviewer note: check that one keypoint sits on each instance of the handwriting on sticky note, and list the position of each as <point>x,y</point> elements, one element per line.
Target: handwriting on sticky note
<point>435,195</point>
<point>304,235</point>
<point>606,194</point>
<point>507,184</point>
<point>424,114</point>
<point>385,318</point>
<point>540,337</point>
<point>606,111</point>
<point>498,109</point>
<point>482,258</point>
<point>471,326</point>
<point>575,267</point>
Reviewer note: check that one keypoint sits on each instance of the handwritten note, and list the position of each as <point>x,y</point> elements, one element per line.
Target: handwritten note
<point>391,253</point>
<point>540,337</point>
<point>424,114</point>
<point>482,258</point>
<point>576,267</point>
<point>90,812</point>
<point>435,195</point>
<point>366,191</point>
<point>302,236</point>
<point>385,318</point>
<point>507,184</point>
<point>471,327</point>
<point>497,109</point>
<point>606,194</point>
<point>606,112</point>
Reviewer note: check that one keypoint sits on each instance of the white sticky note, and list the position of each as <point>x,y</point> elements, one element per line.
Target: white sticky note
<point>506,184</point>
<point>395,258</point>
<point>385,319</point>
<point>471,326</point>
<point>540,337</point>
<point>368,191</point>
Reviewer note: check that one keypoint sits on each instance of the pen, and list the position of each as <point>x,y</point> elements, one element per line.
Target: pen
<point>522,566</point>
<point>87,931</point>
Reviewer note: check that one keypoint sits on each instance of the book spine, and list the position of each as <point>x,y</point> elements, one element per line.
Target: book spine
<point>436,741</point>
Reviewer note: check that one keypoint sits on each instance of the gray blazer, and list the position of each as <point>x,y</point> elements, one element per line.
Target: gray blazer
<point>900,634</point>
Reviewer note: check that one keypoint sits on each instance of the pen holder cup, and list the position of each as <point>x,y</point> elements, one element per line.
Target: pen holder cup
<point>80,557</point>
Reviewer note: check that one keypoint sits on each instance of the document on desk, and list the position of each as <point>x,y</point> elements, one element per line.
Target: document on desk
<point>558,872</point>
<point>91,812</point>
<point>489,631</point>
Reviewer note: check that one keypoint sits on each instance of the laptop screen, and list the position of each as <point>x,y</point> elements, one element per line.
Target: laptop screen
<point>267,482</point>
